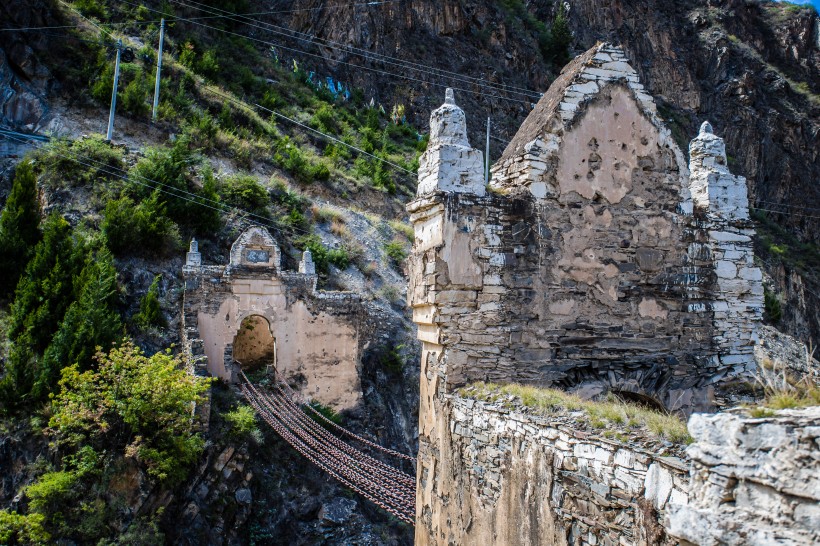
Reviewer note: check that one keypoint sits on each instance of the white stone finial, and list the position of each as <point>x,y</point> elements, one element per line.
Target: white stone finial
<point>450,164</point>
<point>193,258</point>
<point>706,128</point>
<point>306,266</point>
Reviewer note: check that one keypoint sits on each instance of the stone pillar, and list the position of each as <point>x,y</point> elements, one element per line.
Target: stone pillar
<point>721,198</point>
<point>450,164</point>
<point>193,258</point>
<point>445,278</point>
<point>306,266</point>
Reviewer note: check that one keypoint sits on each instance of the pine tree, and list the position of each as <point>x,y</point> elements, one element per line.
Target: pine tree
<point>150,313</point>
<point>91,322</point>
<point>41,299</point>
<point>561,37</point>
<point>19,225</point>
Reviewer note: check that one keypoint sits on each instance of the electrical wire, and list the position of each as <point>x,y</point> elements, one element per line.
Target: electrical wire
<point>358,66</point>
<point>171,18</point>
<point>309,128</point>
<point>347,48</point>
<point>178,193</point>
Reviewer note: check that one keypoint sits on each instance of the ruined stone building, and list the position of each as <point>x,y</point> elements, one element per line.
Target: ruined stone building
<point>252,314</point>
<point>597,259</point>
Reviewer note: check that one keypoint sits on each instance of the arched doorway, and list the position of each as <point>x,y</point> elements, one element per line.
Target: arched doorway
<point>254,346</point>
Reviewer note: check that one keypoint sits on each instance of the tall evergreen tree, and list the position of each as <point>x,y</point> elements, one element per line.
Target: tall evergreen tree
<point>19,223</point>
<point>91,322</point>
<point>561,37</point>
<point>41,299</point>
<point>150,312</point>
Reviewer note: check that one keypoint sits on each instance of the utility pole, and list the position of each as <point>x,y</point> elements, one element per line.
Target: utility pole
<point>114,93</point>
<point>159,69</point>
<point>487,156</point>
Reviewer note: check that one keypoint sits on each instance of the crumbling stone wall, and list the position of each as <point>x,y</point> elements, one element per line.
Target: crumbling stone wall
<point>588,265</point>
<point>319,336</point>
<point>592,262</point>
<point>513,478</point>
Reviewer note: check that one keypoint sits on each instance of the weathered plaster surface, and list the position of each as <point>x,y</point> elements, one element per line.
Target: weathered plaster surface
<point>319,336</point>
<point>588,267</point>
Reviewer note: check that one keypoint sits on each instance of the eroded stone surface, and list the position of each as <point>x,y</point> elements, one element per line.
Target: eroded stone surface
<point>754,481</point>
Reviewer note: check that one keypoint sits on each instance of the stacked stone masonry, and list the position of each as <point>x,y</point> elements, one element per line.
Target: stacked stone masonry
<point>314,338</point>
<point>515,478</point>
<point>754,481</point>
<point>597,259</point>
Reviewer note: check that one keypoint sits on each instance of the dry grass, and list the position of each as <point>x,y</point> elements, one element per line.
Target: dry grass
<point>324,215</point>
<point>611,413</point>
<point>404,229</point>
<point>783,391</point>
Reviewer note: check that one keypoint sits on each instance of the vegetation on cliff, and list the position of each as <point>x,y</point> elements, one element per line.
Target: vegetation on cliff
<point>615,417</point>
<point>127,419</point>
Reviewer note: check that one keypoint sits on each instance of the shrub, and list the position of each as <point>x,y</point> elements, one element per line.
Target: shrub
<point>245,192</point>
<point>101,161</point>
<point>91,8</point>
<point>135,95</point>
<point>772,307</point>
<point>138,229</point>
<point>396,251</point>
<point>208,65</point>
<point>322,256</point>
<point>22,529</point>
<point>325,411</point>
<point>293,203</point>
<point>144,401</point>
<point>324,119</point>
<point>243,422</point>
<point>291,158</point>
<point>390,359</point>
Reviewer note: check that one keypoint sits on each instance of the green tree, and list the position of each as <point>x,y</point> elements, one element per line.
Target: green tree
<point>137,403</point>
<point>19,227</point>
<point>22,529</point>
<point>134,229</point>
<point>91,322</point>
<point>43,295</point>
<point>561,38</point>
<point>150,313</point>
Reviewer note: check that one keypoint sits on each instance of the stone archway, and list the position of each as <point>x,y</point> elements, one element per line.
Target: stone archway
<point>254,346</point>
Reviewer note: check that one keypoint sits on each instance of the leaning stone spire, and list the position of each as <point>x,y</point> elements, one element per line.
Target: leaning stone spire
<point>714,188</point>
<point>450,164</point>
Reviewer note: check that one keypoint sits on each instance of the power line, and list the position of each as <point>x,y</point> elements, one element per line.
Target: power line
<point>178,193</point>
<point>402,63</point>
<point>309,128</point>
<point>787,205</point>
<point>172,18</point>
<point>358,66</point>
<point>98,27</point>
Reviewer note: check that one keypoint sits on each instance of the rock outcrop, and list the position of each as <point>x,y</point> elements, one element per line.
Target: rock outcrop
<point>754,481</point>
